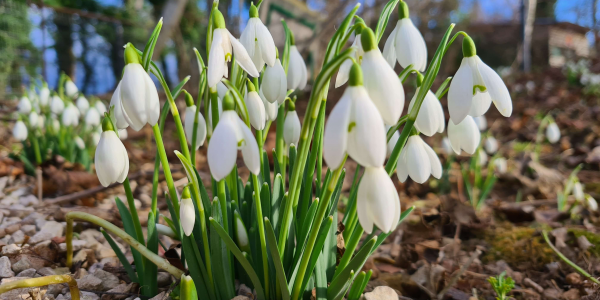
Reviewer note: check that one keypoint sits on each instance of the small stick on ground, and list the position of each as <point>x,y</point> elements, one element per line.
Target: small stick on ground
<point>38,175</point>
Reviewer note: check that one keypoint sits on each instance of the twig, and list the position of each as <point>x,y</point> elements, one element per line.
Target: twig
<point>38,175</point>
<point>454,278</point>
<point>570,263</point>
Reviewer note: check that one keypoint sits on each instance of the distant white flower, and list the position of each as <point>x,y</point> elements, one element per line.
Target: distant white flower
<point>392,142</point>
<point>578,191</point>
<point>258,41</point>
<point>190,112</point>
<point>41,122</point>
<point>591,203</point>
<point>70,116</point>
<point>92,117</point>
<point>482,157</point>
<point>34,118</point>
<point>418,160</point>
<point>256,108</point>
<point>241,234</point>
<point>20,131</point>
<point>123,134</point>
<point>481,122</point>
<point>111,159</point>
<point>79,142</point>
<point>187,212</point>
<point>501,165</point>
<point>95,138</point>
<point>82,104</point>
<point>297,73</point>
<point>552,133</point>
<point>24,105</point>
<point>71,89</point>
<point>446,146</point>
<point>55,125</point>
<point>274,84</point>
<point>44,95</point>
<point>464,136</point>
<point>405,43</point>
<point>491,145</point>
<point>57,105</point>
<point>100,107</point>
<point>344,71</point>
<point>291,126</point>
<point>377,201</point>
<point>431,115</point>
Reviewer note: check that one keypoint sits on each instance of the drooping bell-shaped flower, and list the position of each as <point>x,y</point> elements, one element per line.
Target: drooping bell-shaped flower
<point>70,88</point>
<point>271,109</point>
<point>100,107</point>
<point>418,160</point>
<point>274,84</point>
<point>297,75</point>
<point>578,191</point>
<point>446,146</point>
<point>187,213</point>
<point>431,115</point>
<point>465,135</point>
<point>57,105</point>
<point>291,126</point>
<point>82,104</point>
<point>24,106</point>
<point>111,160</point>
<point>591,203</point>
<point>475,86</point>
<point>481,122</point>
<point>70,116</point>
<point>135,99</point>
<point>256,108</point>
<point>44,95</point>
<point>190,112</point>
<point>20,131</point>
<point>482,157</point>
<point>355,127</point>
<point>123,134</point>
<point>92,117</point>
<point>491,145</point>
<point>258,41</point>
<point>230,135</point>
<point>220,53</point>
<point>34,118</point>
<point>377,201</point>
<point>79,142</point>
<point>552,133</point>
<point>357,52</point>
<point>381,82</point>
<point>392,142</point>
<point>406,44</point>
<point>501,165</point>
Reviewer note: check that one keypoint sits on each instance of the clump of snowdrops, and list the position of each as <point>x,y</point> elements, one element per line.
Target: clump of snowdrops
<point>277,230</point>
<point>61,122</point>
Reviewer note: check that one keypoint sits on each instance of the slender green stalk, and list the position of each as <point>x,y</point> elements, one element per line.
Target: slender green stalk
<point>261,231</point>
<point>260,142</point>
<point>180,132</point>
<point>570,263</point>
<point>43,281</point>
<point>223,201</point>
<point>279,142</point>
<point>133,210</point>
<point>214,107</point>
<point>165,163</point>
<point>36,149</point>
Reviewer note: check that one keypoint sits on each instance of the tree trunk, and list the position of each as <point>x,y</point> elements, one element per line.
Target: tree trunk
<point>528,33</point>
<point>171,13</point>
<point>63,44</point>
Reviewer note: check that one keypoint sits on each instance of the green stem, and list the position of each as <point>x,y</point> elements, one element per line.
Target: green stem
<point>279,142</point>
<point>214,107</point>
<point>261,232</point>
<point>223,201</point>
<point>36,149</point>
<point>570,263</point>
<point>180,132</point>
<point>43,281</point>
<point>260,142</point>
<point>165,164</point>
<point>134,215</point>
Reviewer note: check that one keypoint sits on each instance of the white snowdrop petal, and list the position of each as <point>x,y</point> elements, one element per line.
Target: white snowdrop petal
<point>82,104</point>
<point>401,167</point>
<point>460,94</point>
<point>367,137</point>
<point>335,136</point>
<point>266,43</point>
<point>256,110</point>
<point>297,73</point>
<point>553,133</point>
<point>20,131</point>
<point>417,161</point>
<point>216,59</point>
<point>480,104</point>
<point>152,102</point>
<point>491,145</point>
<point>111,160</point>
<point>384,87</point>
<point>497,89</point>
<point>291,128</point>
<point>389,50</point>
<point>270,108</point>
<point>377,192</point>
<point>282,83</point>
<point>248,36</point>
<point>274,85</point>
<point>189,127</point>
<point>250,151</point>
<point>222,149</point>
<point>343,73</point>
<point>465,135</point>
<point>392,142</point>
<point>241,57</point>
<point>410,45</point>
<point>187,215</point>
<point>434,161</point>
<point>133,95</point>
<point>115,101</point>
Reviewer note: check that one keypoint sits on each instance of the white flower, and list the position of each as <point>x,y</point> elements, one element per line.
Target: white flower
<point>135,99</point>
<point>297,73</point>
<point>591,203</point>
<point>552,133</point>
<point>241,234</point>
<point>291,127</point>
<point>418,160</point>
<point>220,53</point>
<point>70,116</point>
<point>20,131</point>
<point>501,165</point>
<point>96,138</point>
<point>187,212</point>
<point>377,201</point>
<point>55,125</point>
<point>481,122</point>
<point>57,105</point>
<point>256,109</point>
<point>190,111</point>
<point>383,85</point>
<point>71,89</point>
<point>41,121</point>
<point>446,146</point>
<point>123,134</point>
<point>92,117</point>
<point>112,162</point>
<point>258,41</point>
<point>355,127</point>
<point>405,43</point>
<point>34,118</point>
<point>44,95</point>
<point>431,115</point>
<point>221,91</point>
<point>344,71</point>
<point>79,142</point>
<point>464,136</point>
<point>491,145</point>
<point>24,105</point>
<point>474,87</point>
<point>392,142</point>
<point>100,107</point>
<point>274,85</point>
<point>271,109</point>
<point>230,135</point>
<point>482,157</point>
<point>82,104</point>
<point>578,191</point>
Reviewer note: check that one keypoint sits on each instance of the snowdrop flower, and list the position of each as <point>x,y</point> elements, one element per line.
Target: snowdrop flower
<point>258,41</point>
<point>123,134</point>
<point>187,212</point>
<point>481,122</point>
<point>482,157</point>
<point>297,72</point>
<point>55,125</point>
<point>291,125</point>
<point>95,138</point>
<point>552,133</point>
<point>221,91</point>
<point>44,95</point>
<point>464,136</point>
<point>92,117</point>
<point>190,112</point>
<point>446,146</point>
<point>392,142</point>
<point>79,142</point>
<point>41,121</point>
<point>491,145</point>
<point>256,108</point>
<point>100,107</point>
<point>418,160</point>
<point>381,82</point>
<point>135,99</point>
<point>271,109</point>
<point>431,115</point>
<point>24,105</point>
<point>406,44</point>
<point>578,191</point>
<point>57,105</point>
<point>34,118</point>
<point>20,131</point>
<point>220,53</point>
<point>111,160</point>
<point>357,52</point>
<point>475,86</point>
<point>377,201</point>
<point>355,127</point>
<point>274,84</point>
<point>240,233</point>
<point>591,203</point>
<point>501,165</point>
<point>82,104</point>
<point>71,89</point>
<point>70,116</point>
<point>230,135</point>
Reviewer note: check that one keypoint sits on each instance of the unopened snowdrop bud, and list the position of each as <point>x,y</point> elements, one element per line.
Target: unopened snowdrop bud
<point>258,41</point>
<point>446,146</point>
<point>552,133</point>
<point>34,118</point>
<point>123,134</point>
<point>187,213</point>
<point>491,145</point>
<point>377,201</point>
<point>241,234</point>
<point>256,108</point>
<point>475,86</point>
<point>381,82</point>
<point>82,104</point>
<point>79,142</point>
<point>24,105</point>
<point>135,99</point>
<point>464,136</point>
<point>291,126</point>
<point>355,127</point>
<point>70,88</point>
<point>274,84</point>
<point>430,119</point>
<point>44,95</point>
<point>418,160</point>
<point>230,135</point>
<point>111,160</point>
<point>190,113</point>
<point>20,131</point>
<point>406,44</point>
<point>501,165</point>
<point>591,203</point>
<point>578,191</point>
<point>297,72</point>
<point>271,109</point>
<point>187,288</point>
<point>221,50</point>
<point>57,105</point>
<point>100,107</point>
<point>92,117</point>
<point>481,122</point>
<point>392,142</point>
<point>70,116</point>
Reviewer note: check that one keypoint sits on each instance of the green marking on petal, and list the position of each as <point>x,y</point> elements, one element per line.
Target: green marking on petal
<point>351,126</point>
<point>228,57</point>
<point>481,88</point>
<point>241,143</point>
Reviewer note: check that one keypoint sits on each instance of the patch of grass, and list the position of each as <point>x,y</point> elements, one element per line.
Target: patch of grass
<point>521,247</point>
<point>591,237</point>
